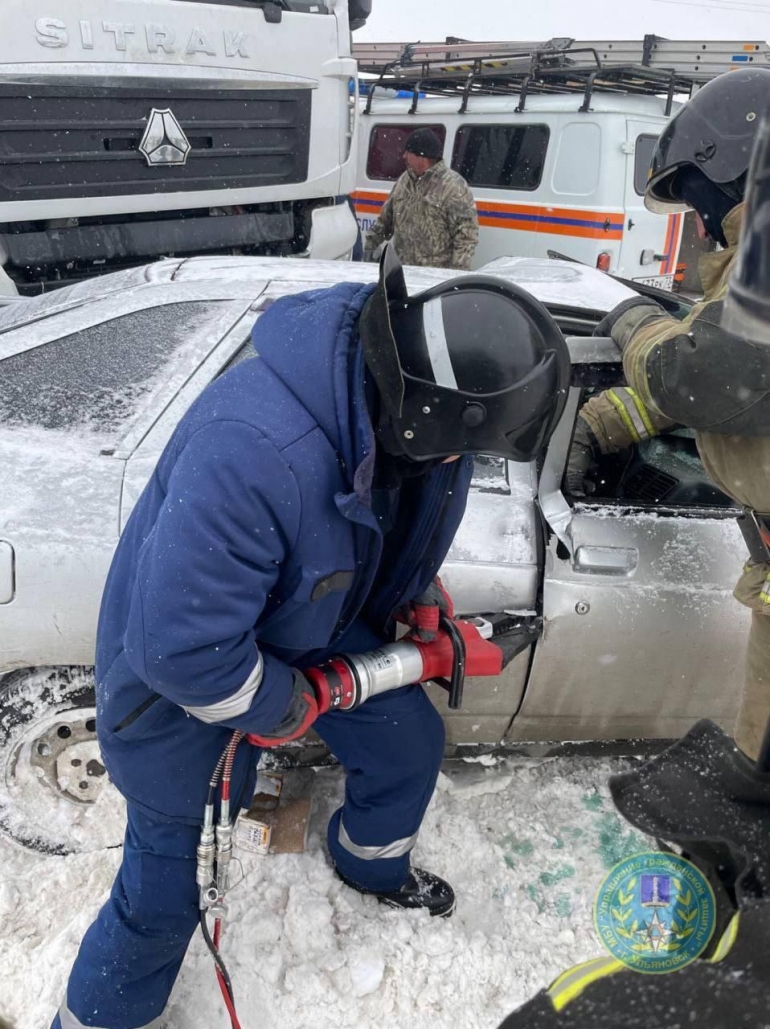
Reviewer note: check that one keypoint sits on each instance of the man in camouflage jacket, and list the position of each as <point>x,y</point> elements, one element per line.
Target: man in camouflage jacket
<point>430,215</point>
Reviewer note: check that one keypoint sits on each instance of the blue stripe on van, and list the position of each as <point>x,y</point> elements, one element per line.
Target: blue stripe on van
<point>542,219</point>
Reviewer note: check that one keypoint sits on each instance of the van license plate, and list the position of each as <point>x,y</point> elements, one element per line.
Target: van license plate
<point>661,281</point>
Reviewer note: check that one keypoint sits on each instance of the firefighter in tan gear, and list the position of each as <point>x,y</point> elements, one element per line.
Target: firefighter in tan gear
<point>695,373</point>
<point>700,796</point>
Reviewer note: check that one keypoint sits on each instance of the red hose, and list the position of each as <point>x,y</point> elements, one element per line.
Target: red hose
<point>216,936</point>
<point>228,1003</point>
<point>223,772</point>
<point>229,760</point>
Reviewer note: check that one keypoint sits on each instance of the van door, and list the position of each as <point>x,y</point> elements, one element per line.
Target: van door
<point>650,241</point>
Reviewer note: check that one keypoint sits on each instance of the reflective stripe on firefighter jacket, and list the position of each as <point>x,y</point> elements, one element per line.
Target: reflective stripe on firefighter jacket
<point>571,984</point>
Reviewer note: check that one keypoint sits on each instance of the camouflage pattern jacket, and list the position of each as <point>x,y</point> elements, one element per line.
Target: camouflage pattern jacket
<point>620,417</point>
<point>431,219</point>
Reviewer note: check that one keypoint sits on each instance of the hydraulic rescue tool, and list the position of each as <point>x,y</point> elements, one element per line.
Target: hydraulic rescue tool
<point>460,649</point>
<point>476,648</point>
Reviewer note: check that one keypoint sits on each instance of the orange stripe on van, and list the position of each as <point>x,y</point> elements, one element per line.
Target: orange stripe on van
<point>541,218</point>
<point>367,203</point>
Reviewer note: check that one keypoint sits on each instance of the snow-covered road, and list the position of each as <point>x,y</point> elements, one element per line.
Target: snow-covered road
<point>525,843</point>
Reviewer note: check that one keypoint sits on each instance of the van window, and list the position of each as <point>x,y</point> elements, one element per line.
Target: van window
<point>386,149</point>
<point>501,156</point>
<point>579,159</point>
<point>645,146</point>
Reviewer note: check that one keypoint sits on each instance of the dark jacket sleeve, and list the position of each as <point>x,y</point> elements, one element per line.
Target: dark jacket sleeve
<point>231,514</point>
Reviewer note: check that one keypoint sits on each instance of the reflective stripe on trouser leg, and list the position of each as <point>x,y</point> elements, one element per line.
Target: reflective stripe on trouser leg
<point>391,749</point>
<point>66,1020</point>
<point>389,850</point>
<point>130,956</point>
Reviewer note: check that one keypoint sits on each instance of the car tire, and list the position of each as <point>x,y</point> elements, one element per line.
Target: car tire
<point>48,752</point>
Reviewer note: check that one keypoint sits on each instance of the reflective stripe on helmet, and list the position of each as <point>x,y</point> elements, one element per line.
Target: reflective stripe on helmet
<point>436,342</point>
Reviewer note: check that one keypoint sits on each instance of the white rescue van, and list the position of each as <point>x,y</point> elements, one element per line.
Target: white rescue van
<point>547,181</point>
<point>554,139</point>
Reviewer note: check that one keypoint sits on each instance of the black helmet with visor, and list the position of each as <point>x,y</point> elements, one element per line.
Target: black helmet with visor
<point>475,365</point>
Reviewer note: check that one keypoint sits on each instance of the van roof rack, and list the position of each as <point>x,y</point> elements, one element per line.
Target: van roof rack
<point>653,66</point>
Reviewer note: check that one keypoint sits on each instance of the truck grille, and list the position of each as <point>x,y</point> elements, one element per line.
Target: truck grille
<point>71,141</point>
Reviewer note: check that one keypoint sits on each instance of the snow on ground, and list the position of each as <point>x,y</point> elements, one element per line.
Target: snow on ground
<point>525,843</point>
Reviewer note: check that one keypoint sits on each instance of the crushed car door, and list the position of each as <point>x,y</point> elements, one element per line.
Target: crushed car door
<point>493,568</point>
<point>641,634</point>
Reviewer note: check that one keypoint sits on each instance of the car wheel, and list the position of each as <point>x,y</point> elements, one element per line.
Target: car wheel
<point>55,796</point>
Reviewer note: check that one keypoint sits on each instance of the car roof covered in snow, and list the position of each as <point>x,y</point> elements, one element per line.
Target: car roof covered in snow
<point>554,283</point>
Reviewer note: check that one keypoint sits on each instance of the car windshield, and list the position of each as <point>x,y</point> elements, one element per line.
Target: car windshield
<point>92,382</point>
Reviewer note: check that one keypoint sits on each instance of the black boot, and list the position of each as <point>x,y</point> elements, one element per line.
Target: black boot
<point>420,890</point>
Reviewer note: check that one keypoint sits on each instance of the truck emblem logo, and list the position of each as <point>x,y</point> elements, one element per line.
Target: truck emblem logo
<point>164,142</point>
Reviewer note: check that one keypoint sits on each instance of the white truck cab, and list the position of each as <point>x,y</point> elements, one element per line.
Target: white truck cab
<point>554,139</point>
<point>133,129</point>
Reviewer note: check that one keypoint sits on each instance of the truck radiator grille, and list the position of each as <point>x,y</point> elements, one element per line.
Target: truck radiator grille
<point>70,141</point>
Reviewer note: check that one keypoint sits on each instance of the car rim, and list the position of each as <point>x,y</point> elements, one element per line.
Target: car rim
<point>66,758</point>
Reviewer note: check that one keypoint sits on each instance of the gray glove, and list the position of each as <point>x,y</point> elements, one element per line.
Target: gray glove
<point>627,318</point>
<point>584,446</point>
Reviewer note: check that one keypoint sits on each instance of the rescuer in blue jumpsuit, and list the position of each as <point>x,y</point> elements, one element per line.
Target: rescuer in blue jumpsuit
<point>305,496</point>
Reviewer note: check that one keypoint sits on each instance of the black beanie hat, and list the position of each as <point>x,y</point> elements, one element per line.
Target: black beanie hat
<point>424,143</point>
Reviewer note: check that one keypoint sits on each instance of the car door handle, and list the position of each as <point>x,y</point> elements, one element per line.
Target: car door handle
<point>606,560</point>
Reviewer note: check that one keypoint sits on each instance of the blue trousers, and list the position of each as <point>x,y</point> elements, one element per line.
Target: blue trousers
<point>391,749</point>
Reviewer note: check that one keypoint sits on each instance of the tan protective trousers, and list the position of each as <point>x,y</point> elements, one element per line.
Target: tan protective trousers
<point>755,708</point>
